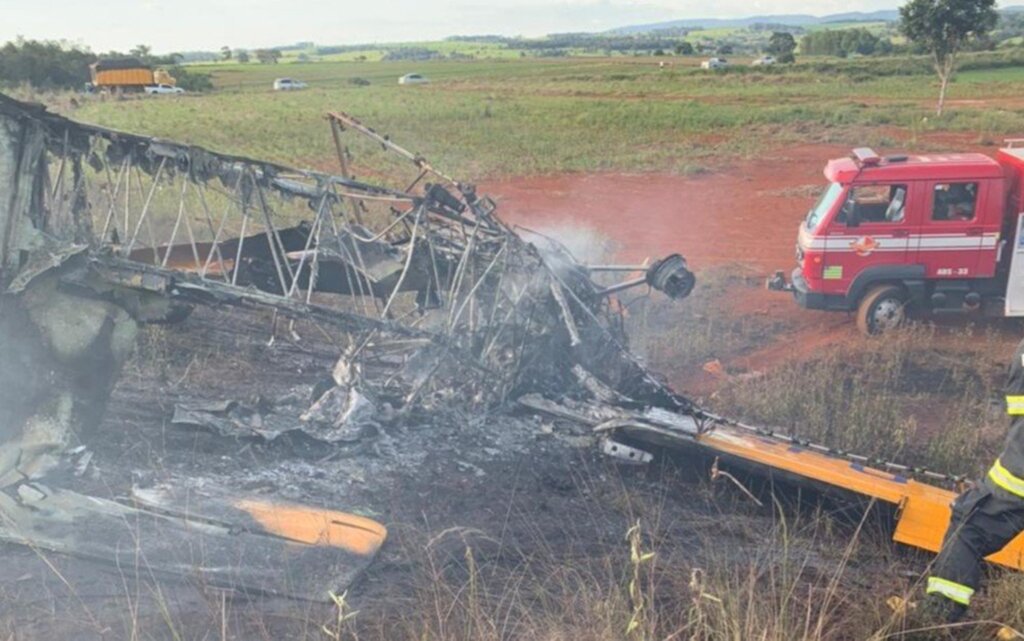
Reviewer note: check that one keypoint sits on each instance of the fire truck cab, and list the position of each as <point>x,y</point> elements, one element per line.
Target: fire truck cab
<point>932,233</point>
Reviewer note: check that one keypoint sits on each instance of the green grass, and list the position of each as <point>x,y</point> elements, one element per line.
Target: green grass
<point>987,76</point>
<point>490,117</point>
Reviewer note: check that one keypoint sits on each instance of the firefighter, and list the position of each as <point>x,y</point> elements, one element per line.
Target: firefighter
<point>986,517</point>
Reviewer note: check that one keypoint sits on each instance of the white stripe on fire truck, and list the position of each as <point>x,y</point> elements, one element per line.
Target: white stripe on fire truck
<point>890,235</point>
<point>903,248</point>
<point>922,242</point>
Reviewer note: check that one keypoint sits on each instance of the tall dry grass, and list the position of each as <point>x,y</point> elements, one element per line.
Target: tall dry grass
<point>898,397</point>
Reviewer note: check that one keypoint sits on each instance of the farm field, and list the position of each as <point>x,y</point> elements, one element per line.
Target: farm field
<point>525,117</point>
<point>631,160</point>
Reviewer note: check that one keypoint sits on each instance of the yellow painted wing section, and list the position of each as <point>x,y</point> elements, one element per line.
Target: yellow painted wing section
<point>304,525</point>
<point>315,526</point>
<point>924,510</point>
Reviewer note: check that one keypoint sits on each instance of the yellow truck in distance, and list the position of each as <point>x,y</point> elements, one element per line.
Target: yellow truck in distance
<point>129,75</point>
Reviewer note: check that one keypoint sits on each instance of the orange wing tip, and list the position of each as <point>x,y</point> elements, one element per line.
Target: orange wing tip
<point>314,526</point>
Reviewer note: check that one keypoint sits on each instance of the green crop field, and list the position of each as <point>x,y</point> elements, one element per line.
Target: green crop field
<point>526,116</point>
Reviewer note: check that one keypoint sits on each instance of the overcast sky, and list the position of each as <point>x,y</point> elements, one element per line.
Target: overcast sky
<point>180,25</point>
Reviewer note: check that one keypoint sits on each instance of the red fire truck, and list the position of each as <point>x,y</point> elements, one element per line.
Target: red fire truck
<point>933,233</point>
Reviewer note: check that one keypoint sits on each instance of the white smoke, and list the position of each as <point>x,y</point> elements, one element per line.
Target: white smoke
<point>586,244</point>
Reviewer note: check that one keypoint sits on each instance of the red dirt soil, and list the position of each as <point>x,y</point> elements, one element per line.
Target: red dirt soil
<point>746,214</point>
<point>741,214</point>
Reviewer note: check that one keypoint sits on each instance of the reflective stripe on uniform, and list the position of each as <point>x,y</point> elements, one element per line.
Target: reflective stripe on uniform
<point>952,591</point>
<point>1015,405</point>
<point>1005,479</point>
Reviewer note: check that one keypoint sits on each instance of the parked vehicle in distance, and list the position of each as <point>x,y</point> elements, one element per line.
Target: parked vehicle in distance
<point>127,75</point>
<point>288,84</point>
<point>157,90</point>
<point>763,61</point>
<point>714,63</point>
<point>412,79</point>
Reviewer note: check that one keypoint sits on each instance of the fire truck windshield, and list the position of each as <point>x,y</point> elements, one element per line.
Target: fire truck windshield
<point>824,205</point>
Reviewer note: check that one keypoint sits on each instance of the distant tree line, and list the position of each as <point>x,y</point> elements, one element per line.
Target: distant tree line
<point>487,38</point>
<point>775,27</point>
<point>46,65</point>
<point>844,42</point>
<point>412,53</point>
<point>669,32</point>
<point>423,53</point>
<point>597,42</point>
<point>1010,25</point>
<point>58,65</point>
<point>333,49</point>
<point>664,39</point>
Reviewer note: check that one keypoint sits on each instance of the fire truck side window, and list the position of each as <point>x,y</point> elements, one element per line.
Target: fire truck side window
<point>954,201</point>
<point>875,204</point>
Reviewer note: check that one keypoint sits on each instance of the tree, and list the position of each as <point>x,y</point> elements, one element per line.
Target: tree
<point>46,65</point>
<point>141,51</point>
<point>191,80</point>
<point>782,45</point>
<point>268,56</point>
<point>943,28</point>
<point>840,42</point>
<point>225,52</point>
<point>242,56</point>
<point>684,49</point>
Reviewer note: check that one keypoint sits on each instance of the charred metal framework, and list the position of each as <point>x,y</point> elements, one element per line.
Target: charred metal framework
<point>426,259</point>
<point>436,304</point>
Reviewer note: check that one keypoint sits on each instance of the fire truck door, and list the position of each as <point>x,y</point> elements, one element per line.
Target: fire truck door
<point>952,229</point>
<point>872,230</point>
<point>1015,287</point>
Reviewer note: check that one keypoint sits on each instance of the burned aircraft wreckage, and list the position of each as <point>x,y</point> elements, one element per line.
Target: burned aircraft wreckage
<point>434,300</point>
<point>433,303</point>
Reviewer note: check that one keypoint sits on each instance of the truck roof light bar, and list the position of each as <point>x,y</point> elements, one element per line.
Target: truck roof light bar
<point>866,157</point>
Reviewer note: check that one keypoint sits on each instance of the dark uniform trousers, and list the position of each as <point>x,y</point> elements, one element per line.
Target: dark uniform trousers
<point>989,515</point>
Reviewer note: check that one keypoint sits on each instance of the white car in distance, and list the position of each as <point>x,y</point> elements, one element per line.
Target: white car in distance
<point>763,61</point>
<point>714,63</point>
<point>157,90</point>
<point>288,84</point>
<point>412,79</point>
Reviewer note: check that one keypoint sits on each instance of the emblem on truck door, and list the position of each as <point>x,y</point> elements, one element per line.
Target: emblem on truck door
<point>864,245</point>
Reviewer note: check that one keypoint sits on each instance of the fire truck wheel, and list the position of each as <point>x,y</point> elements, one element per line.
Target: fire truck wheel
<point>882,309</point>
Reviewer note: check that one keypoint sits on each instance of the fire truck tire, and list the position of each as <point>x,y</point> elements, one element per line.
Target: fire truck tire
<point>882,309</point>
